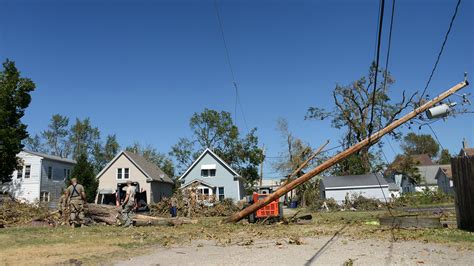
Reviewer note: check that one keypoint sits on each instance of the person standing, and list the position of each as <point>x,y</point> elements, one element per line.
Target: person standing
<point>174,206</point>
<point>76,195</point>
<point>128,205</point>
<point>63,207</point>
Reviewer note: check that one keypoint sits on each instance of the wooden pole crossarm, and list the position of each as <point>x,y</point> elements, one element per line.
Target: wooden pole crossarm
<point>344,154</point>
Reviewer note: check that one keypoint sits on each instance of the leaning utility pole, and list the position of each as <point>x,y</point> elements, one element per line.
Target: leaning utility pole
<point>344,154</point>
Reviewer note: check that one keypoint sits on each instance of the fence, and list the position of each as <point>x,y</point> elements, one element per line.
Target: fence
<point>463,177</point>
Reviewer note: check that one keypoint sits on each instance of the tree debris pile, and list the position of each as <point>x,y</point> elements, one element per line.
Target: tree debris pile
<point>194,208</point>
<point>13,212</point>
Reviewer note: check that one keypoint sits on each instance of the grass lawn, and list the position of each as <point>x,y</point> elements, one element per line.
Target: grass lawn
<point>106,243</point>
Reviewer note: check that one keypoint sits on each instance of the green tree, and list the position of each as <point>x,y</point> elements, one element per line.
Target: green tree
<point>102,154</point>
<point>84,172</point>
<point>83,138</point>
<point>295,154</point>
<point>414,144</point>
<point>34,143</point>
<point>152,155</point>
<point>182,152</point>
<point>407,165</point>
<point>445,157</point>
<point>353,112</point>
<point>14,99</point>
<point>56,136</point>
<point>216,130</point>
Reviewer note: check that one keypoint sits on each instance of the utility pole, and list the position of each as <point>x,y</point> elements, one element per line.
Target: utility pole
<point>369,141</point>
<point>261,165</point>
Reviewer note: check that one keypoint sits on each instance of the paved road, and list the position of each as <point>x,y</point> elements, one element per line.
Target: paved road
<point>313,251</point>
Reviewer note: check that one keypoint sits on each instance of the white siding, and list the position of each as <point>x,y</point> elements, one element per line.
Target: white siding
<point>26,189</point>
<point>373,193</point>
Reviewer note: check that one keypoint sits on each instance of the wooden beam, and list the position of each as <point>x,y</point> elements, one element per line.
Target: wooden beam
<point>344,154</point>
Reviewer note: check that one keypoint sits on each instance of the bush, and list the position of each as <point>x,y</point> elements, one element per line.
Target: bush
<point>423,198</point>
<point>317,205</point>
<point>365,204</point>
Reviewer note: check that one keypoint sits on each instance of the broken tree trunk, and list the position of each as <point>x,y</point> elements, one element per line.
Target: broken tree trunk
<point>103,213</point>
<point>144,220</point>
<point>344,154</point>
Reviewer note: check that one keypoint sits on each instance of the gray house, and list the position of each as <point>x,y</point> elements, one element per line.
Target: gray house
<point>369,186</point>
<point>41,178</point>
<point>444,177</point>
<point>213,178</point>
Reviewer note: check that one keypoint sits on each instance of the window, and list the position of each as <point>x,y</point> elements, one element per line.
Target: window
<point>451,183</point>
<point>205,191</point>
<point>27,171</point>
<point>208,172</point>
<point>50,172</point>
<point>119,173</point>
<point>221,193</point>
<point>44,196</point>
<point>126,173</point>
<point>19,173</point>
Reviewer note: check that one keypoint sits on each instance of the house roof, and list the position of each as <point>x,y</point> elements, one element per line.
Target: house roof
<point>446,170</point>
<point>423,159</point>
<point>428,174</point>
<point>210,152</point>
<point>198,181</point>
<point>149,169</point>
<point>51,157</point>
<point>354,181</point>
<point>466,152</point>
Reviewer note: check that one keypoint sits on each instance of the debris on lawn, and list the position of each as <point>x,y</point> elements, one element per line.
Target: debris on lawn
<point>13,212</point>
<point>188,208</point>
<point>295,241</point>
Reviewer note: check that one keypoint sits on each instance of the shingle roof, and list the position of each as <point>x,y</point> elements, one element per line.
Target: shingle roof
<point>466,152</point>
<point>51,157</point>
<point>209,151</point>
<point>354,181</point>
<point>150,169</point>
<point>447,171</point>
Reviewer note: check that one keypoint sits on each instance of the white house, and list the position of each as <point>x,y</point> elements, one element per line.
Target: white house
<point>369,186</point>
<point>213,177</point>
<point>40,179</point>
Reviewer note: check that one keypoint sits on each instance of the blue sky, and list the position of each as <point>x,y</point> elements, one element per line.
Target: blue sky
<point>140,69</point>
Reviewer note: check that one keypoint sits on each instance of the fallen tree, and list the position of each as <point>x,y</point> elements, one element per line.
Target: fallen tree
<point>111,215</point>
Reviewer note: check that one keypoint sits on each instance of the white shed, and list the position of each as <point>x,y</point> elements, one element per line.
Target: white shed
<point>368,185</point>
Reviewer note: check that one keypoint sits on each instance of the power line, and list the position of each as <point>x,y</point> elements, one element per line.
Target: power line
<point>229,63</point>
<point>442,48</point>
<point>436,136</point>
<point>382,6</point>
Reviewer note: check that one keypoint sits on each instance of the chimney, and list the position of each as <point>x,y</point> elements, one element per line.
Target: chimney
<point>464,143</point>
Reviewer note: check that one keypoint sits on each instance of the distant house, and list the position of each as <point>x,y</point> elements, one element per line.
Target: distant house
<point>213,178</point>
<point>406,183</point>
<point>129,166</point>
<point>444,178</point>
<point>368,185</point>
<point>428,177</point>
<point>466,151</point>
<point>40,179</point>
